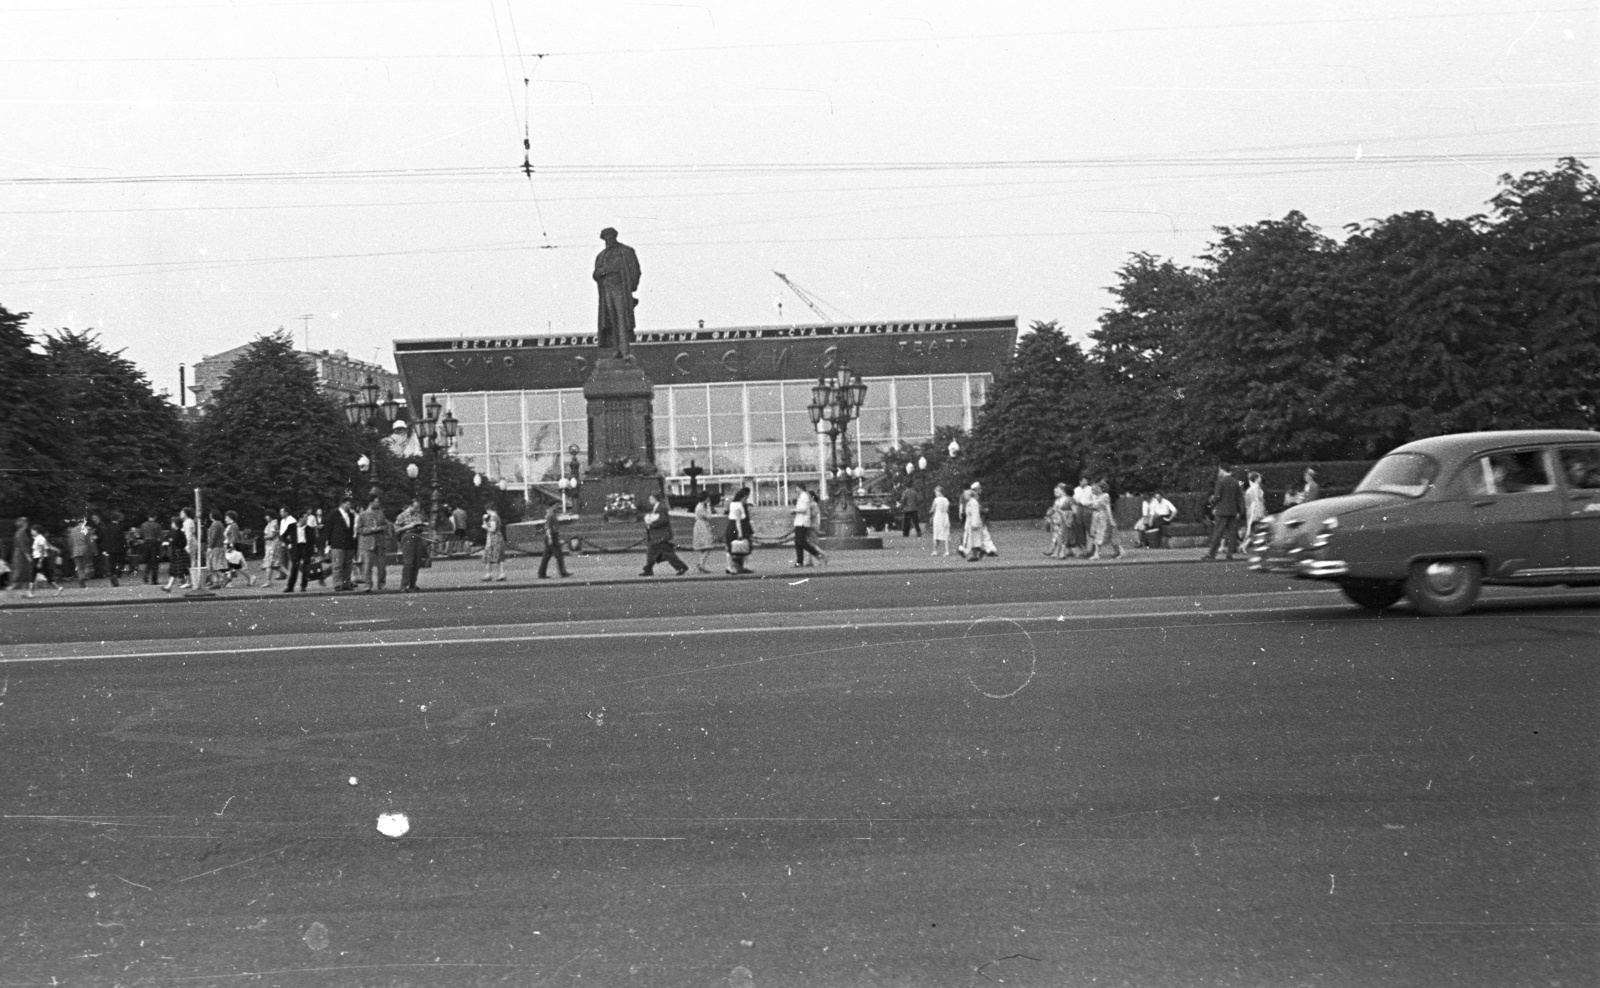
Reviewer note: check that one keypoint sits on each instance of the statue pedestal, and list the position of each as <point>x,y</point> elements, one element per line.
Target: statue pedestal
<point>622,448</point>
<point>842,527</point>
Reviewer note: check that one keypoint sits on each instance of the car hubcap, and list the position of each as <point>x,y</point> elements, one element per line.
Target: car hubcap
<point>1445,578</point>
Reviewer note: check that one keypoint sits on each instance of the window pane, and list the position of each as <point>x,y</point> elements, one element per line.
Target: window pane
<point>689,401</point>
<point>506,469</point>
<point>470,441</point>
<point>766,427</point>
<point>543,437</point>
<point>699,456</point>
<point>874,424</point>
<point>544,468</point>
<point>949,416</point>
<point>796,396</point>
<point>727,429</point>
<point>914,423</point>
<point>728,460</point>
<point>1582,467</point>
<point>949,391</point>
<point>726,399</point>
<point>877,392</point>
<point>465,407</point>
<point>505,438</point>
<point>871,456</point>
<point>541,406</point>
<point>767,458</point>
<point>797,426</point>
<point>763,397</point>
<point>574,407</point>
<point>667,461</point>
<point>505,408</point>
<point>801,457</point>
<point>1514,473</point>
<point>978,384</point>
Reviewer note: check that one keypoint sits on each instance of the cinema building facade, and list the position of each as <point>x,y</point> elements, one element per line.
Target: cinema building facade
<point>730,405</point>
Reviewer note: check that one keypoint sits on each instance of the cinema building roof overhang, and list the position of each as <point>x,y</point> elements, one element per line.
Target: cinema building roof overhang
<point>701,356</point>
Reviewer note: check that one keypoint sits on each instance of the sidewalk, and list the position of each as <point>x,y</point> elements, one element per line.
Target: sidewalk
<point>1021,546</point>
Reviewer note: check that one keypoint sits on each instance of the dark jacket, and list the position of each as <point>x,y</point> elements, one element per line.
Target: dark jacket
<point>1227,497</point>
<point>342,534</point>
<point>552,525</point>
<point>658,527</point>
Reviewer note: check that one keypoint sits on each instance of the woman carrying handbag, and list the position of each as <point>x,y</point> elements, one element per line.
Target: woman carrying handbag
<point>739,532</point>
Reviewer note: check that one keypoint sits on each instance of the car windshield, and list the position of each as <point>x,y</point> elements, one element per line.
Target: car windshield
<point>1406,474</point>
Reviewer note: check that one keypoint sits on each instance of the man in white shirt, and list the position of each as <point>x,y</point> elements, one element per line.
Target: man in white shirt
<point>1083,510</point>
<point>1156,514</point>
<point>804,507</point>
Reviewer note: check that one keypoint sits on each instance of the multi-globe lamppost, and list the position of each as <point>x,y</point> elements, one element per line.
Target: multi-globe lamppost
<point>436,435</point>
<point>835,402</point>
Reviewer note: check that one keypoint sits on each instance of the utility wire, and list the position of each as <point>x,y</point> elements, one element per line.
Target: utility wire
<point>937,39</point>
<point>771,168</point>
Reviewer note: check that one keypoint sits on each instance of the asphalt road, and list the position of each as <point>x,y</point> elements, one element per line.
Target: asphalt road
<point>853,781</point>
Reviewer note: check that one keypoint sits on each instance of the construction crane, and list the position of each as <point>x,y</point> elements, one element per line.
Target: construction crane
<point>812,302</point>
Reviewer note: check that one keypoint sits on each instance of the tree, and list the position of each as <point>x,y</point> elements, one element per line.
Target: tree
<point>1031,432</point>
<point>1141,431</point>
<point>33,443</point>
<point>1546,238</point>
<point>127,446</point>
<point>271,438</point>
<point>1272,361</point>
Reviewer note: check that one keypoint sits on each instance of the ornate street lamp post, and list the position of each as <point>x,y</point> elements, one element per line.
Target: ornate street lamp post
<point>835,402</point>
<point>434,434</point>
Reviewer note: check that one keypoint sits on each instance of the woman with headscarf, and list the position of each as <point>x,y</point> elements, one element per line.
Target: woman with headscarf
<point>978,540</point>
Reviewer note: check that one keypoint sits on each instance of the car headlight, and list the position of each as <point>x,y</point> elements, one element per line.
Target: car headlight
<point>1325,532</point>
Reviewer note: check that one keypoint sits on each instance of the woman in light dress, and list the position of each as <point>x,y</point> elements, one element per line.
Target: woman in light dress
<point>494,546</point>
<point>705,540</point>
<point>1255,505</point>
<point>1059,518</point>
<point>976,540</point>
<point>1103,526</point>
<point>941,522</point>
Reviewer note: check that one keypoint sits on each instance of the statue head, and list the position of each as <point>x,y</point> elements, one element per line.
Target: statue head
<point>609,235</point>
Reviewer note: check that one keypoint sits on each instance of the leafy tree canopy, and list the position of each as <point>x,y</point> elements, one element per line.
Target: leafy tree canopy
<point>272,438</point>
<point>127,446</point>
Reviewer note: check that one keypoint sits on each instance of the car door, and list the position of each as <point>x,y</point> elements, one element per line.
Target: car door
<point>1518,514</point>
<point>1580,468</point>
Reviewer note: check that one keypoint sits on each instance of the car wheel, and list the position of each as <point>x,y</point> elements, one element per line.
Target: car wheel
<point>1444,587</point>
<point>1374,595</point>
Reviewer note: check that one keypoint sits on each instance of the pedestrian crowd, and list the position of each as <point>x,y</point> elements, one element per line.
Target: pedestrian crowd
<point>298,545</point>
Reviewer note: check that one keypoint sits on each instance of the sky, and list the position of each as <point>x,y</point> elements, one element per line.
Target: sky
<point>181,177</point>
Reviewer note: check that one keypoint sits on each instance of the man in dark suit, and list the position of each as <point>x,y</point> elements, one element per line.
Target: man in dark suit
<point>658,535</point>
<point>343,540</point>
<point>1227,504</point>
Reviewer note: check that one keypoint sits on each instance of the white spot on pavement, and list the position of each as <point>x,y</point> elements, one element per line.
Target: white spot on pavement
<point>316,936</point>
<point>393,824</point>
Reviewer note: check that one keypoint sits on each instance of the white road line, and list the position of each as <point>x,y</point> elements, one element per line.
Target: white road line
<point>1115,611</point>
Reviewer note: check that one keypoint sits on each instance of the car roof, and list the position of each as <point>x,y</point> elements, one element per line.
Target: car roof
<point>1463,444</point>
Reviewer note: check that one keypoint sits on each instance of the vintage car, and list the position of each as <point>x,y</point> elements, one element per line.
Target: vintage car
<point>1437,518</point>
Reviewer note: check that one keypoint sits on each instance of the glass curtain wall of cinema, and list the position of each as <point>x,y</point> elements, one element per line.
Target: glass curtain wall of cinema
<point>730,431</point>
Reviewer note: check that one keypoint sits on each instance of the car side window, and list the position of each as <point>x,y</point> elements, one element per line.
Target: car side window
<point>1581,466</point>
<point>1517,472</point>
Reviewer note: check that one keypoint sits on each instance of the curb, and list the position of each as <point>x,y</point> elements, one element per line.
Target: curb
<point>818,572</point>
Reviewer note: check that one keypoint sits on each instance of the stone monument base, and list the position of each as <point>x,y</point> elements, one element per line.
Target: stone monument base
<point>597,492</point>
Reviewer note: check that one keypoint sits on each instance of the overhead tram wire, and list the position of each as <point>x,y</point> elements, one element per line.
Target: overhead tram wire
<point>527,111</point>
<point>767,169</point>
